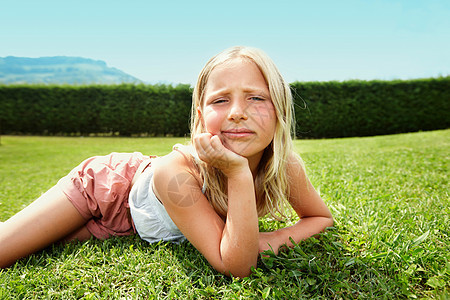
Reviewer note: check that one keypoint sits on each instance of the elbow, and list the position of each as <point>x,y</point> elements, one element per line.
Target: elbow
<point>324,222</point>
<point>239,260</point>
<point>238,273</point>
<point>239,269</point>
<point>242,274</point>
<point>330,221</point>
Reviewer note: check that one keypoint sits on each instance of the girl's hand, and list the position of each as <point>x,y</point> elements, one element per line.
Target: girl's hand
<point>211,150</point>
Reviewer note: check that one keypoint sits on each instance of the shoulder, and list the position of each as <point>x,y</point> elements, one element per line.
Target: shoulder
<point>181,158</point>
<point>300,187</point>
<point>295,167</point>
<point>174,175</point>
<point>303,197</point>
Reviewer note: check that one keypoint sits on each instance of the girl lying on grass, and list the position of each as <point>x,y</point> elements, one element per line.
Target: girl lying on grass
<point>240,166</point>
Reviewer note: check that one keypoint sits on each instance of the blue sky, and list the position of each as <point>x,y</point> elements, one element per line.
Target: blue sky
<point>170,41</point>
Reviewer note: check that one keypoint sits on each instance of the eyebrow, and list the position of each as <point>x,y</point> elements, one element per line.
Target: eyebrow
<point>246,90</point>
<point>256,91</point>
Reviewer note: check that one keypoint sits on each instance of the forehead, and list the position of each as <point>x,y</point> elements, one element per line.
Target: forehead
<point>237,72</point>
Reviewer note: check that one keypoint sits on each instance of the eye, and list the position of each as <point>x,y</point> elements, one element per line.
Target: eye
<point>256,98</point>
<point>218,101</point>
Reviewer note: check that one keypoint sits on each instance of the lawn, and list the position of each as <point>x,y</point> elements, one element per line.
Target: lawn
<point>389,196</point>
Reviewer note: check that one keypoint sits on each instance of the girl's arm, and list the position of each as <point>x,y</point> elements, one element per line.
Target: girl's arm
<point>309,206</point>
<point>231,247</point>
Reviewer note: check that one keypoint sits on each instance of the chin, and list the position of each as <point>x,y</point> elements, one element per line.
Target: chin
<point>245,149</point>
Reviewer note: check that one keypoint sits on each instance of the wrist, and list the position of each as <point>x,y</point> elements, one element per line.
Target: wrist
<point>239,172</point>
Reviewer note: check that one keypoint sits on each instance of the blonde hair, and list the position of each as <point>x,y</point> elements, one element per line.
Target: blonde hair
<point>271,182</point>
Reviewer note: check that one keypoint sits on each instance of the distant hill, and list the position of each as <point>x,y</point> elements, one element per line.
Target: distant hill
<point>60,70</point>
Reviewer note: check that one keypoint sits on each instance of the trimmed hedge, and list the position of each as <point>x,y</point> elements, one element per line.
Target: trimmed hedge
<point>82,110</point>
<point>333,109</point>
<point>365,108</point>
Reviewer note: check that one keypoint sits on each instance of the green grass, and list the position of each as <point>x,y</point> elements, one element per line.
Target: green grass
<point>388,194</point>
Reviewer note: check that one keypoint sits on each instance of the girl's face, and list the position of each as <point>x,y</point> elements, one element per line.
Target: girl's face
<point>237,107</point>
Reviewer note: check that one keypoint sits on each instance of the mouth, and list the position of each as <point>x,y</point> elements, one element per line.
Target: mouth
<point>236,133</point>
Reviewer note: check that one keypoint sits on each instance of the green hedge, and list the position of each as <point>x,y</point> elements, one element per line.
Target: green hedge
<point>116,109</point>
<point>333,109</point>
<point>364,108</point>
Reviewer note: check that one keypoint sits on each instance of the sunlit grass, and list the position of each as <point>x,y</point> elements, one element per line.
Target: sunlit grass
<point>388,194</point>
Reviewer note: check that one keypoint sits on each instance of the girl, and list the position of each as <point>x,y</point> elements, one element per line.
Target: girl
<point>240,166</point>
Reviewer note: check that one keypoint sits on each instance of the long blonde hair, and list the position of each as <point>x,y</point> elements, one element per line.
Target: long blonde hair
<point>271,183</point>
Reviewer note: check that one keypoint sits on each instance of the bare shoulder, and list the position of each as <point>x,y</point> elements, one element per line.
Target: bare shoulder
<point>295,168</point>
<point>176,179</point>
<point>303,197</point>
<point>299,185</point>
<point>177,159</point>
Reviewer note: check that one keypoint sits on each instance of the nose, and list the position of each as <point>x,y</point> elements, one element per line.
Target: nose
<point>237,111</point>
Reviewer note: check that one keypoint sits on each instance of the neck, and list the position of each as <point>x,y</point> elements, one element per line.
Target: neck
<point>253,163</point>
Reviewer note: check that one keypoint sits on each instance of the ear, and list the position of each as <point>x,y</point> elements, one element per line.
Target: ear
<point>200,118</point>
<point>199,114</point>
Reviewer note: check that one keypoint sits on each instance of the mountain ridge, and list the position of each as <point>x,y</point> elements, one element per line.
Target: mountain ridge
<point>60,70</point>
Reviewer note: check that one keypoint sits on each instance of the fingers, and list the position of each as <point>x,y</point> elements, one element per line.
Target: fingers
<point>209,148</point>
<point>201,142</point>
<point>216,144</point>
